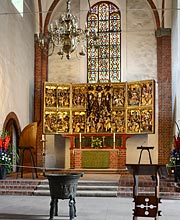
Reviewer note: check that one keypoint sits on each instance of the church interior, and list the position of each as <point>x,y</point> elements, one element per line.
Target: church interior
<point>85,83</point>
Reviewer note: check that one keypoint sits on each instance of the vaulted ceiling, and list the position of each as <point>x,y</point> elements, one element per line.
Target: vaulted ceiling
<point>49,9</point>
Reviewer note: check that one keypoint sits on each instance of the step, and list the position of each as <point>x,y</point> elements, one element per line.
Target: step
<point>18,186</point>
<point>86,188</point>
<point>84,193</point>
<point>20,181</point>
<point>147,183</point>
<point>23,192</point>
<point>165,193</point>
<point>89,182</point>
<point>97,182</point>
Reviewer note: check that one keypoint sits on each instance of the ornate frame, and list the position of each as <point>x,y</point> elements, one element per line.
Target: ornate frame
<point>124,108</point>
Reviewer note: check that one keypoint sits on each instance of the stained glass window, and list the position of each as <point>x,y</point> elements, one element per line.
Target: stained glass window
<point>104,61</point>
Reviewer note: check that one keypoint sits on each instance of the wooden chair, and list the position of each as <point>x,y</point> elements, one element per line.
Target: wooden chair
<point>27,149</point>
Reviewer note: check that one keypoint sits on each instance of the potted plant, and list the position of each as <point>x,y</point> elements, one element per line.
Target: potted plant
<point>96,143</point>
<point>5,158</point>
<point>174,162</point>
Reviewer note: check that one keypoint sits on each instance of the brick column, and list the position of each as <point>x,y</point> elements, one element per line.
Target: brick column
<point>78,159</point>
<point>122,158</point>
<point>40,76</point>
<point>113,160</point>
<point>163,36</point>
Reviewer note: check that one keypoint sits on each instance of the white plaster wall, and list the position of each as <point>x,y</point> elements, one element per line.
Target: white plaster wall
<point>75,70</point>
<point>141,42</point>
<point>16,63</point>
<point>168,13</point>
<point>141,65</point>
<point>67,71</point>
<point>139,61</point>
<point>57,152</point>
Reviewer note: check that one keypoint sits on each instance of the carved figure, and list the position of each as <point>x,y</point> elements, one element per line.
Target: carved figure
<point>63,97</point>
<point>146,97</point>
<point>146,121</point>
<point>79,96</point>
<point>50,98</point>
<point>133,124</point>
<point>133,95</point>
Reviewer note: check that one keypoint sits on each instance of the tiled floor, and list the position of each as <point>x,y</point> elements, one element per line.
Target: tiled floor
<point>37,208</point>
<point>88,208</point>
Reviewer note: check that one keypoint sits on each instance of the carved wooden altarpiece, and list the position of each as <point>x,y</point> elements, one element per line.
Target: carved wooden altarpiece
<point>122,108</point>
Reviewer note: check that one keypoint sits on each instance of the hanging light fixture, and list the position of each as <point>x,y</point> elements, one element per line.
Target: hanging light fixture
<point>65,34</point>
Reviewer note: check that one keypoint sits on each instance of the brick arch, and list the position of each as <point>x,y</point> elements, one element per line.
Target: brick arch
<point>55,2</point>
<point>155,12</point>
<point>50,11</point>
<point>13,116</point>
<point>40,15</point>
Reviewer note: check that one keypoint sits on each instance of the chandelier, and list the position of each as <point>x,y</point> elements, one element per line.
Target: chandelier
<point>65,34</point>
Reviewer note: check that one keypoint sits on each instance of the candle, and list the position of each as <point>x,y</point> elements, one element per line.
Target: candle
<point>43,137</point>
<point>80,137</point>
<point>114,136</point>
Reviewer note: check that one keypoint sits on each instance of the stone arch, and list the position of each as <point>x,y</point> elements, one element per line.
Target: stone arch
<point>12,126</point>
<point>12,117</point>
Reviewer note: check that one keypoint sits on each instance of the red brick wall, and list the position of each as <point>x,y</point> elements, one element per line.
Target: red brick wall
<point>122,158</point>
<point>164,94</point>
<point>113,160</point>
<point>77,159</point>
<point>40,76</point>
<point>164,98</point>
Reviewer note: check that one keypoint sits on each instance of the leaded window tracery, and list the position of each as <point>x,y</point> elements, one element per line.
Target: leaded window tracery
<point>104,62</point>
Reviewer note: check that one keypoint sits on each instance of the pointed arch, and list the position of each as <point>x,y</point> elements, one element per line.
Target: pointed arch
<point>40,15</point>
<point>104,62</point>
<point>48,16</point>
<point>12,117</point>
<point>155,12</point>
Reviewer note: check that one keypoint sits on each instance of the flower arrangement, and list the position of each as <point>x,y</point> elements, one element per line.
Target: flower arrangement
<point>96,143</point>
<point>175,153</point>
<point>5,158</point>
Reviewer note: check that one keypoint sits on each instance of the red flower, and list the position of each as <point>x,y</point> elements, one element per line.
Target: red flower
<point>6,142</point>
<point>1,142</point>
<point>177,142</point>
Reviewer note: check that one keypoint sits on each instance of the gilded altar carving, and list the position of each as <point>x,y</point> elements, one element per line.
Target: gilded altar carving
<point>118,121</point>
<point>57,122</point>
<point>99,108</point>
<point>134,91</point>
<point>78,121</point>
<point>50,97</point>
<point>79,96</point>
<point>146,120</point>
<point>147,94</point>
<point>118,95</point>
<point>133,121</point>
<point>63,96</point>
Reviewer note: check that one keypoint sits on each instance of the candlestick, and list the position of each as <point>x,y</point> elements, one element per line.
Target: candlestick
<point>43,137</point>
<point>43,140</point>
<point>80,137</point>
<point>114,140</point>
<point>114,137</point>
